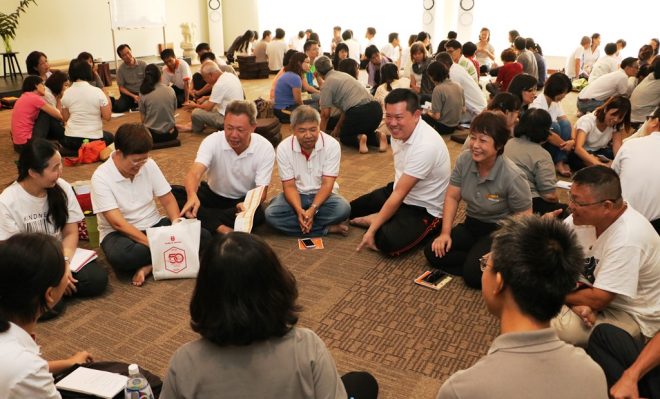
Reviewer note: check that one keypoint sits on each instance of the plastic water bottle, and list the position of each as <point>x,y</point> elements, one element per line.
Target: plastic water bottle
<point>137,387</point>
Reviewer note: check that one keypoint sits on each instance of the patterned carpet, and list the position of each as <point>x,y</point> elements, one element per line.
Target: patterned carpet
<point>364,306</point>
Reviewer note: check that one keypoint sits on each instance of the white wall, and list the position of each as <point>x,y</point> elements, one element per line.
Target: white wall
<point>64,28</point>
<point>241,15</point>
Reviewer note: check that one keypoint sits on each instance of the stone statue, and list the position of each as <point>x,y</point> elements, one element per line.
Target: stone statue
<point>187,31</point>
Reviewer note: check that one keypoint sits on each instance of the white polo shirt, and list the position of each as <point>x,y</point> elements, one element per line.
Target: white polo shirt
<point>603,66</point>
<point>607,86</point>
<point>391,52</point>
<point>639,183</point>
<point>554,109</point>
<point>596,139</point>
<point>231,175</point>
<point>225,90</point>
<point>475,100</point>
<point>134,199</point>
<point>275,51</point>
<point>84,102</point>
<point>180,77</point>
<point>309,172</point>
<point>353,49</point>
<point>423,156</point>
<point>578,54</point>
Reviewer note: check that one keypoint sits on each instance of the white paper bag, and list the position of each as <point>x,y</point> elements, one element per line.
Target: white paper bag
<point>175,249</point>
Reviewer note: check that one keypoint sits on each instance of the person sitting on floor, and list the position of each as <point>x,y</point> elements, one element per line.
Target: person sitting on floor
<point>492,186</point>
<point>420,82</point>
<point>261,46</point>
<point>89,58</point>
<point>275,51</point>
<point>311,49</point>
<point>525,57</point>
<point>244,307</point>
<point>575,62</point>
<point>360,113</point>
<point>158,104</point>
<point>210,111</point>
<point>400,216</point>
<point>526,152</point>
<point>288,89</point>
<point>455,50</point>
<point>350,67</point>
<point>32,115</point>
<point>447,101</point>
<point>390,77</point>
<point>123,190</point>
<point>84,108</point>
<point>130,75</point>
<point>237,160</point>
<point>646,96</point>
<point>177,74</point>
<point>537,52</point>
<point>524,86</point>
<point>605,65</point>
<point>199,87</point>
<point>533,263</point>
<point>37,65</point>
<point>392,50</point>
<point>340,54</point>
<point>308,164</point>
<point>41,201</point>
<point>633,163</point>
<point>599,134</point>
<point>285,60</point>
<point>505,73</point>
<point>614,83</point>
<point>35,276</point>
<point>620,283</point>
<point>376,61</point>
<point>475,101</point>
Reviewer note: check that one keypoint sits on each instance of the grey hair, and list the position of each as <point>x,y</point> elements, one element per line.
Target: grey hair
<point>209,67</point>
<point>304,113</point>
<point>243,107</point>
<point>323,65</point>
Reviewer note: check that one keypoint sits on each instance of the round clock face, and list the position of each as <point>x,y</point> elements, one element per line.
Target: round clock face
<point>466,19</point>
<point>429,4</point>
<point>214,4</point>
<point>428,18</point>
<point>467,5</point>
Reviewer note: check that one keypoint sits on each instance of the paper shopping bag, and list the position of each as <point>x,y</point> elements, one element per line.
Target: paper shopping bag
<point>175,249</point>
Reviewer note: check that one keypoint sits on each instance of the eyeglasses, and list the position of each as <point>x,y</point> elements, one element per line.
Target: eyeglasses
<point>579,204</point>
<point>139,162</point>
<point>483,262</point>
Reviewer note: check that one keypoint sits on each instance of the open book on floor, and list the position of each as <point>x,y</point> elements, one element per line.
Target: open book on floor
<point>81,258</point>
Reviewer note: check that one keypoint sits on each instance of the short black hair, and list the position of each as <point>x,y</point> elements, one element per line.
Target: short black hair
<point>508,55</point>
<point>404,95</point>
<point>279,33</point>
<point>604,182</point>
<point>628,62</point>
<point>243,294</point>
<point>133,138</point>
<point>80,70</point>
<point>266,33</point>
<point>469,49</point>
<point>371,31</point>
<point>520,43</point>
<point>535,124</point>
<point>392,37</point>
<point>121,47</point>
<point>452,35</point>
<point>522,82</point>
<point>595,36</point>
<point>444,58</point>
<point>56,81</point>
<point>505,102</point>
<point>492,124</point>
<point>455,44</point>
<point>370,51</point>
<point>530,44</point>
<point>539,260</point>
<point>30,83</point>
<point>437,71</point>
<point>557,84</point>
<point>308,44</point>
<point>347,65</point>
<point>623,107</point>
<point>202,47</point>
<point>85,56</point>
<point>347,34</point>
<point>209,55</point>
<point>610,48</point>
<point>167,53</point>
<point>31,263</point>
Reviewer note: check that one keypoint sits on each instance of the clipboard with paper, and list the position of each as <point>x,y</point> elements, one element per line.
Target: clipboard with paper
<point>245,220</point>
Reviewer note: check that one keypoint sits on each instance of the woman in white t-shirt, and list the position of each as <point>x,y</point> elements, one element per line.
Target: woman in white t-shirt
<point>596,130</point>
<point>34,278</point>
<point>84,108</point>
<point>485,51</point>
<point>41,201</point>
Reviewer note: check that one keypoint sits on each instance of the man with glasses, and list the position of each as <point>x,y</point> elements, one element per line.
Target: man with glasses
<point>308,163</point>
<point>534,262</point>
<point>620,282</point>
<point>621,81</point>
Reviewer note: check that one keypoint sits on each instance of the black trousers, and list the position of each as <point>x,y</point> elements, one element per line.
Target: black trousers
<point>215,210</point>
<point>361,119</point>
<point>541,206</point>
<point>439,127</point>
<point>470,241</point>
<point>180,96</point>
<point>615,350</point>
<point>198,81</point>
<point>360,385</point>
<point>410,226</point>
<point>74,143</point>
<point>656,225</point>
<point>47,127</point>
<point>92,280</point>
<point>124,103</point>
<point>161,137</point>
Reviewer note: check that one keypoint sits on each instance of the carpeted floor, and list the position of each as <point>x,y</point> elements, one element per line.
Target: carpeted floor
<point>364,306</point>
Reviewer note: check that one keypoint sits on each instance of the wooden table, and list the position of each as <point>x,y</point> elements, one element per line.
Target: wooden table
<point>10,64</point>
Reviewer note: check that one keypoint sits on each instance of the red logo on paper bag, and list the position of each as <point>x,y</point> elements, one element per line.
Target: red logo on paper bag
<point>172,238</point>
<point>175,260</point>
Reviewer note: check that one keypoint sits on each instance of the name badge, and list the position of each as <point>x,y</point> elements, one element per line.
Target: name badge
<point>493,197</point>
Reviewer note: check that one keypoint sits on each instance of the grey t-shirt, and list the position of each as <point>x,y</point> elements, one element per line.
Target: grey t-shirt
<point>503,192</point>
<point>296,366</point>
<point>343,91</point>
<point>535,162</point>
<point>448,100</point>
<point>131,77</point>
<point>158,108</point>
<point>528,61</point>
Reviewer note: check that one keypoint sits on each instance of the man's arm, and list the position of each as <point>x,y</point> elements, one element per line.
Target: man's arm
<point>403,187</point>
<point>170,205</point>
<point>128,93</point>
<point>191,183</point>
<point>626,387</point>
<point>206,105</point>
<point>593,297</point>
<point>117,221</point>
<point>325,116</point>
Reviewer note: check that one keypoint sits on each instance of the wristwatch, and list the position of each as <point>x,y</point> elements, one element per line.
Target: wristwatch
<point>316,208</point>
<point>66,259</point>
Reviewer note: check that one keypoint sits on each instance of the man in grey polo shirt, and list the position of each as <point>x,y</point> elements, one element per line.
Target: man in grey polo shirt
<point>532,265</point>
<point>130,75</point>
<point>360,115</point>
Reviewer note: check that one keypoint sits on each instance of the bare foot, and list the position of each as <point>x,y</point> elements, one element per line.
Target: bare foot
<point>362,221</point>
<point>382,138</point>
<point>563,169</point>
<point>222,229</point>
<point>341,228</point>
<point>184,127</point>
<point>141,275</point>
<point>363,149</point>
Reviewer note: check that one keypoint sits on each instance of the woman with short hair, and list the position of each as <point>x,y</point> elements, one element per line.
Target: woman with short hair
<point>288,90</point>
<point>157,106</point>
<point>244,306</point>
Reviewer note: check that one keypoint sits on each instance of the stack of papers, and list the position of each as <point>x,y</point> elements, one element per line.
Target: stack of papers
<point>93,382</point>
<point>81,258</point>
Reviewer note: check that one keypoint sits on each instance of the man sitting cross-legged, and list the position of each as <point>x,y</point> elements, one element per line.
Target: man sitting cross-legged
<point>402,214</point>
<point>236,160</point>
<point>622,266</point>
<point>308,162</point>
<point>532,265</point>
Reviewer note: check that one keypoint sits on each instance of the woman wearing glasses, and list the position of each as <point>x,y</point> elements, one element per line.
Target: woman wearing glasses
<point>492,186</point>
<point>123,191</point>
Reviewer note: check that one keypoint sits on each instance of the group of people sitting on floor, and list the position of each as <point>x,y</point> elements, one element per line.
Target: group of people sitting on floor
<point>590,280</point>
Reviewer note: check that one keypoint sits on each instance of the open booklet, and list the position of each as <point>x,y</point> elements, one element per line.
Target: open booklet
<point>81,258</point>
<point>93,382</point>
<point>245,220</point>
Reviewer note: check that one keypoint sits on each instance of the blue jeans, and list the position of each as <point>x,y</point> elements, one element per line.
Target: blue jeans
<point>281,215</point>
<point>563,128</point>
<point>587,106</point>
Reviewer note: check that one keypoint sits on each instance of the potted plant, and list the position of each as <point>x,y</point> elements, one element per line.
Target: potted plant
<point>9,23</point>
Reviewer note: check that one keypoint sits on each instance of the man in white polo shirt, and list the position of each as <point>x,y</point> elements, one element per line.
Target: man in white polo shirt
<point>235,160</point>
<point>402,214</point>
<point>608,85</point>
<point>210,111</point>
<point>308,162</point>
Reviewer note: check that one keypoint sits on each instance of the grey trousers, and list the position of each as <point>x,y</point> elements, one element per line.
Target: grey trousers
<point>201,119</point>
